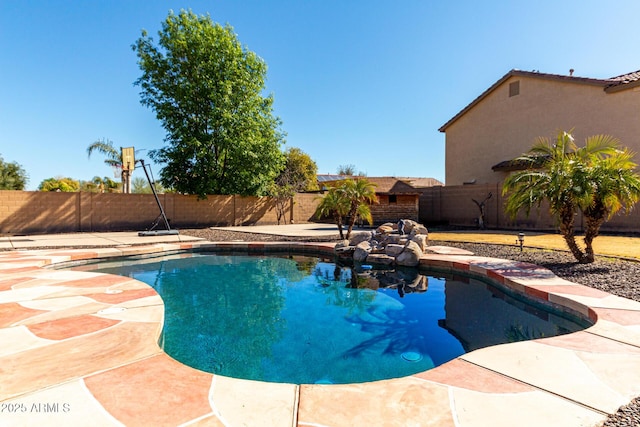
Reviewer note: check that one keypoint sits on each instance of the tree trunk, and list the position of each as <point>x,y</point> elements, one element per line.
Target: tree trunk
<point>594,217</point>
<point>338,220</point>
<point>352,219</point>
<point>566,229</point>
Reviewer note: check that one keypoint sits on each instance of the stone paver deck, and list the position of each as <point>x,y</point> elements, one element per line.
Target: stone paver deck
<point>81,348</point>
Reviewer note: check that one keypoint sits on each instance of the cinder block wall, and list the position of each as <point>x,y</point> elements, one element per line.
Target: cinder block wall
<point>453,205</point>
<point>24,212</point>
<point>405,207</point>
<point>304,207</point>
<point>29,212</point>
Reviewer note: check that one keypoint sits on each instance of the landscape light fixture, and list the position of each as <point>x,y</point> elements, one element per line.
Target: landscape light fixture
<point>520,240</point>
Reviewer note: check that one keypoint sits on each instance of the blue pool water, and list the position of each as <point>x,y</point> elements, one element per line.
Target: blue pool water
<point>304,320</point>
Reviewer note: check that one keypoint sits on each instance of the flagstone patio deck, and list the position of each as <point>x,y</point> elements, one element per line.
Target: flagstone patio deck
<point>81,348</point>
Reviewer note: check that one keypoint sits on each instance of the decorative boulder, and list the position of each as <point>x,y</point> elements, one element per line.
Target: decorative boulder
<point>420,229</point>
<point>421,240</point>
<point>362,251</point>
<point>360,237</point>
<point>409,225</point>
<point>394,250</point>
<point>384,229</point>
<point>386,246</point>
<point>394,239</point>
<point>410,256</point>
<point>342,246</point>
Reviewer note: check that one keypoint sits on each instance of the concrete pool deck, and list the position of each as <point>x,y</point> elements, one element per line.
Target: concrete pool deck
<point>81,348</point>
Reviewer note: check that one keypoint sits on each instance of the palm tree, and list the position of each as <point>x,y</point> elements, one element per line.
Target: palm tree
<point>359,193</point>
<point>615,186</point>
<point>350,198</point>
<point>105,185</point>
<point>113,158</point>
<point>335,205</point>
<point>105,147</point>
<point>597,179</point>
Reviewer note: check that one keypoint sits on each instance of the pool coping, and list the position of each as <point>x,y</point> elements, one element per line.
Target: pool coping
<point>81,349</point>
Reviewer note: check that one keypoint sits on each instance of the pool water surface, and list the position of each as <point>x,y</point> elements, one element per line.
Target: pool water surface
<point>305,320</point>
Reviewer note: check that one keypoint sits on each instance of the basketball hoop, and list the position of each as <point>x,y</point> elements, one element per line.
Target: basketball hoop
<point>117,171</point>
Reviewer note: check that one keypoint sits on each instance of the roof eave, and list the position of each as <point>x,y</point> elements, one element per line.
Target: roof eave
<point>514,72</point>
<point>622,86</point>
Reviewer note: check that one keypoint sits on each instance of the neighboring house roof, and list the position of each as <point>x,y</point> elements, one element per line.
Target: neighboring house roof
<point>422,182</point>
<point>612,84</point>
<point>391,185</point>
<point>387,184</point>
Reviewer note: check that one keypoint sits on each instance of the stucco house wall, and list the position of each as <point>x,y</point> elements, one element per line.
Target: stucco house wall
<point>500,125</point>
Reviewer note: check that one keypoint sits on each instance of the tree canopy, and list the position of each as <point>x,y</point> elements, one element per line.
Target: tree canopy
<point>598,179</point>
<point>12,176</point>
<point>299,174</point>
<point>66,185</point>
<point>300,171</point>
<point>349,170</point>
<point>206,89</point>
<point>141,186</point>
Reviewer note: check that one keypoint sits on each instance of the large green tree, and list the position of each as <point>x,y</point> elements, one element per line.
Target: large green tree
<point>597,179</point>
<point>206,89</point>
<point>12,176</point>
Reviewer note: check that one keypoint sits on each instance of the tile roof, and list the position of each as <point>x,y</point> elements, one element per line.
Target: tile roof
<point>623,81</point>
<point>388,184</point>
<point>391,185</point>
<point>627,78</point>
<point>422,182</point>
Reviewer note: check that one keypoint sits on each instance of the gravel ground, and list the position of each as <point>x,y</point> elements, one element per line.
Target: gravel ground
<point>615,276</point>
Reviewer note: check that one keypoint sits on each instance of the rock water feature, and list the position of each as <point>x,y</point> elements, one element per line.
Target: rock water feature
<point>390,244</point>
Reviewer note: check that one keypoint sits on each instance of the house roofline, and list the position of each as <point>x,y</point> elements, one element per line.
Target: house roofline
<point>608,84</point>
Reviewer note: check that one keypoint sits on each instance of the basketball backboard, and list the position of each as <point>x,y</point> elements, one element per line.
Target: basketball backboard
<point>128,159</point>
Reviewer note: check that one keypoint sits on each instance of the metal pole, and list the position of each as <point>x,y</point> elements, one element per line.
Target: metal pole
<point>155,194</point>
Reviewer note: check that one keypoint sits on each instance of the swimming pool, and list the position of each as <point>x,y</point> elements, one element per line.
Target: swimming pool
<point>306,320</point>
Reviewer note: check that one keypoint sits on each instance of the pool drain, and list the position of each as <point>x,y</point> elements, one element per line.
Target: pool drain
<point>411,356</point>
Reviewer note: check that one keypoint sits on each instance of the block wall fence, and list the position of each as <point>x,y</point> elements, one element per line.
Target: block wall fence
<point>453,205</point>
<point>27,212</point>
<point>23,212</point>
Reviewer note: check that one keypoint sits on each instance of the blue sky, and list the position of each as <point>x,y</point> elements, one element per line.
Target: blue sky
<point>366,83</point>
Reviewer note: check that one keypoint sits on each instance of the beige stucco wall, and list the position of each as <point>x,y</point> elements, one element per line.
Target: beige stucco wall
<point>500,127</point>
